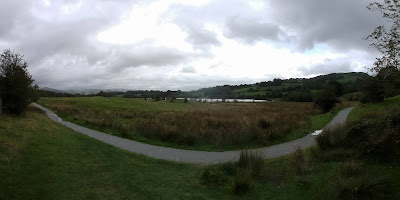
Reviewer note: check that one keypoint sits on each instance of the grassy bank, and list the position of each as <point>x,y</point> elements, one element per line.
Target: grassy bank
<point>193,125</point>
<point>40,159</point>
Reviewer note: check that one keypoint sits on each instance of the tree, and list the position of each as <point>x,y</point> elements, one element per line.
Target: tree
<point>337,87</point>
<point>16,85</point>
<point>327,99</point>
<point>387,38</point>
<point>385,84</point>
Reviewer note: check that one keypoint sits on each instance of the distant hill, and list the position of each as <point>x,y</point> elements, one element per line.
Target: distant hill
<point>81,91</point>
<point>280,88</point>
<point>293,89</point>
<point>51,90</point>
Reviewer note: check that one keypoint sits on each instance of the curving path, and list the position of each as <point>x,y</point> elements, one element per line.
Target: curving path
<point>189,156</point>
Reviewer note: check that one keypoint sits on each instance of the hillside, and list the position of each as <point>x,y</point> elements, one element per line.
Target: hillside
<point>278,88</point>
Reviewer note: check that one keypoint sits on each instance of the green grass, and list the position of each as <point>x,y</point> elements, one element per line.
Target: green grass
<point>389,103</point>
<point>41,159</point>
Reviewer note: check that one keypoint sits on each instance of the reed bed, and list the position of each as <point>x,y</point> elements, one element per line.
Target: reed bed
<point>215,124</point>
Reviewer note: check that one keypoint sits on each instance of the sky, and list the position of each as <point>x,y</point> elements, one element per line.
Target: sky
<point>185,44</point>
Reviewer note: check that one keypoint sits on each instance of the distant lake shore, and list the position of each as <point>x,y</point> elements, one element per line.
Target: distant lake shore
<point>226,100</point>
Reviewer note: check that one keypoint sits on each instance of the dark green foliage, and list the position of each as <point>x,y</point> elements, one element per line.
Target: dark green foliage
<point>351,169</point>
<point>251,161</point>
<point>327,99</point>
<point>298,96</point>
<point>337,87</point>
<point>331,138</point>
<point>351,181</point>
<point>385,84</point>
<point>377,135</point>
<point>386,39</point>
<point>155,94</point>
<point>242,182</point>
<point>106,94</point>
<point>16,85</point>
<point>242,174</point>
<point>294,89</point>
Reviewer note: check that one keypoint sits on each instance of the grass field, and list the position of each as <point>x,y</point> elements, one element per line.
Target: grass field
<point>40,159</point>
<point>193,125</point>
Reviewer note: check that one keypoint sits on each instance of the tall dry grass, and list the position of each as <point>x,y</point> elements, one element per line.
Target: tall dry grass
<point>222,124</point>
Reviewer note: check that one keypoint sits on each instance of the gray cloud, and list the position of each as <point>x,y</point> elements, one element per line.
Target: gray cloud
<point>251,30</point>
<point>188,69</point>
<point>149,56</point>
<point>341,24</point>
<point>201,38</point>
<point>193,19</point>
<point>62,50</point>
<point>328,66</point>
<point>11,13</point>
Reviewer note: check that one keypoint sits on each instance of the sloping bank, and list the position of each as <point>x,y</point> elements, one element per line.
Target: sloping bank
<point>189,156</point>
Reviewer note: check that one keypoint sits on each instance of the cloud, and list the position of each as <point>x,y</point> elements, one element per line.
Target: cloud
<point>251,30</point>
<point>146,56</point>
<point>328,66</point>
<point>180,44</point>
<point>341,24</point>
<point>201,38</point>
<point>11,13</point>
<point>188,69</point>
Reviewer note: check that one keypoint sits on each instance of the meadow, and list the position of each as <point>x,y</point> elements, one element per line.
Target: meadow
<point>193,125</point>
<point>41,159</point>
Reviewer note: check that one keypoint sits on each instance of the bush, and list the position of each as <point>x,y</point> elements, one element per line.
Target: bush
<point>298,161</point>
<point>242,173</point>
<point>298,96</point>
<point>331,138</point>
<point>16,89</point>
<point>242,182</point>
<point>251,161</point>
<point>351,181</point>
<point>378,135</point>
<point>327,99</point>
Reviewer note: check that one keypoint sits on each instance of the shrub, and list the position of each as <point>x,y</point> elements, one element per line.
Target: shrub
<point>331,138</point>
<point>352,168</point>
<point>377,134</point>
<point>298,161</point>
<point>350,181</point>
<point>334,155</point>
<point>242,182</point>
<point>251,161</point>
<point>16,85</point>
<point>327,99</point>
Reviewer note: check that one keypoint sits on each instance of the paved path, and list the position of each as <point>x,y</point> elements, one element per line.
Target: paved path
<point>189,156</point>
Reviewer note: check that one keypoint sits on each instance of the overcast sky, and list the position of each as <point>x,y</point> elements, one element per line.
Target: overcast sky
<point>185,44</point>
